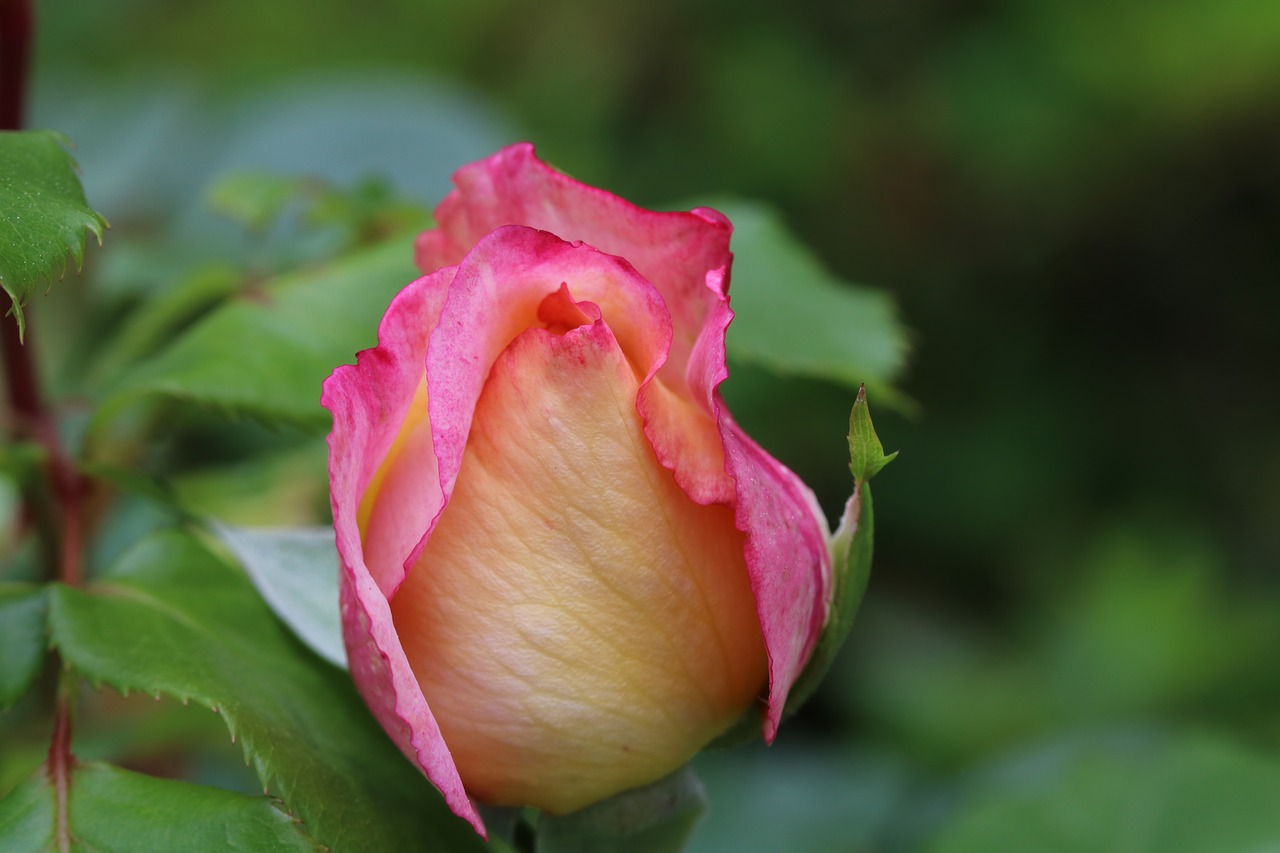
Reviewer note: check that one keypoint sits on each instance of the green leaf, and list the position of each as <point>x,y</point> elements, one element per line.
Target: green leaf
<point>111,810</point>
<point>793,317</point>
<point>296,570</point>
<point>173,618</point>
<point>657,818</point>
<point>22,638</point>
<point>27,816</point>
<point>1188,795</point>
<point>20,460</point>
<point>266,354</point>
<point>851,548</point>
<point>43,213</point>
<point>866,453</point>
<point>151,324</point>
<point>254,200</point>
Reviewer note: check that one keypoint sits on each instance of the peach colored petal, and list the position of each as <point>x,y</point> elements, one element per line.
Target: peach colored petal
<point>684,255</point>
<point>497,293</point>
<point>579,626</point>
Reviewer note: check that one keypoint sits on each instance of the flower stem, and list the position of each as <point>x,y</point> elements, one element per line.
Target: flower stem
<point>33,420</point>
<point>15,43</point>
<point>61,761</point>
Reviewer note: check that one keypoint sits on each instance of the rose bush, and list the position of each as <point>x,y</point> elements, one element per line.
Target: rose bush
<point>565,568</point>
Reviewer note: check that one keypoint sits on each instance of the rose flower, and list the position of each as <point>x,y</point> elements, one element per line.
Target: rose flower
<point>565,569</point>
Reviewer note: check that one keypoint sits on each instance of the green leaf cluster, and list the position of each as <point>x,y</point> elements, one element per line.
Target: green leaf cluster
<point>172,618</point>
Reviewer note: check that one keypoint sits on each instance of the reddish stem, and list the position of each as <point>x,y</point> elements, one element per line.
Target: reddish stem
<point>31,418</point>
<point>61,761</point>
<point>15,43</point>
<point>19,374</point>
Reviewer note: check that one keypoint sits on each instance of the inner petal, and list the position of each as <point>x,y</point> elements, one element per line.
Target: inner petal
<point>558,313</point>
<point>578,625</point>
<point>402,498</point>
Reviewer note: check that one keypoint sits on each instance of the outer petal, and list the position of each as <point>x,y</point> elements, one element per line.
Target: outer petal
<point>675,251</point>
<point>685,255</point>
<point>786,532</point>
<point>371,402</point>
<point>578,624</point>
<point>496,294</point>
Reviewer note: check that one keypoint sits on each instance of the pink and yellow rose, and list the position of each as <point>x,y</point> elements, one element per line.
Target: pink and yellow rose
<point>565,568</point>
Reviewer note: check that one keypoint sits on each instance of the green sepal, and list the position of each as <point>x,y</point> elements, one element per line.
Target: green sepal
<point>43,214</point>
<point>657,818</point>
<point>851,549</point>
<point>866,453</point>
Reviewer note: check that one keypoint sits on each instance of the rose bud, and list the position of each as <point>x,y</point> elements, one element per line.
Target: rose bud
<point>565,569</point>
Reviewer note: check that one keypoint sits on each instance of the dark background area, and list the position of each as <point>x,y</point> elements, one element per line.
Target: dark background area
<point>1075,205</point>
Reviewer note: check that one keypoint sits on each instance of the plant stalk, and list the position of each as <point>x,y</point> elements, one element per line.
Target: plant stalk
<point>16,24</point>
<point>32,419</point>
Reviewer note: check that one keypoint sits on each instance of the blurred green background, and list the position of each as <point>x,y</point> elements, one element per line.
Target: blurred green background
<point>1075,206</point>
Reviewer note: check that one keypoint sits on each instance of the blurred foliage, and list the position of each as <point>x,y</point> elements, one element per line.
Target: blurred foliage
<point>1075,206</point>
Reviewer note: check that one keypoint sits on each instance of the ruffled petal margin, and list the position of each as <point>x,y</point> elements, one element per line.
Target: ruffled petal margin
<point>370,401</point>
<point>786,531</point>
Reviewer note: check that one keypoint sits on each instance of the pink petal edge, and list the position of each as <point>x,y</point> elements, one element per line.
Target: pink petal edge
<point>515,268</point>
<point>677,252</point>
<point>673,250</point>
<point>686,257</point>
<point>786,530</point>
<point>368,401</point>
